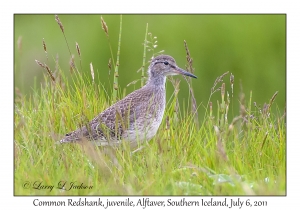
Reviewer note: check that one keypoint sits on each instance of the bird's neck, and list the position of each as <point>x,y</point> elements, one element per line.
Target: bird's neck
<point>158,81</point>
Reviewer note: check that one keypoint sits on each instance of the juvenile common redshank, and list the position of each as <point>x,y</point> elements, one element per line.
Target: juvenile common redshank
<point>137,117</point>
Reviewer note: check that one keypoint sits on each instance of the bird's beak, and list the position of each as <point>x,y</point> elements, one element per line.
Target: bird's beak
<point>178,70</point>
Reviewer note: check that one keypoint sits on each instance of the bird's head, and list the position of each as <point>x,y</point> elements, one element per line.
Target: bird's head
<point>164,65</point>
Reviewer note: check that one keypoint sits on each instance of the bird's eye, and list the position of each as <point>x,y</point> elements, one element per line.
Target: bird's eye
<point>166,63</point>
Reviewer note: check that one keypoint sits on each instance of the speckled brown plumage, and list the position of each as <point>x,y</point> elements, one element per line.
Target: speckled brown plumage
<point>136,117</point>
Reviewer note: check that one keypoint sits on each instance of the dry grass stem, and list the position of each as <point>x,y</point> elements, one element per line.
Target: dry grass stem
<point>264,141</point>
<point>218,80</point>
<point>44,46</point>
<point>144,57</point>
<point>104,26</point>
<point>191,69</point>
<point>267,107</point>
<point>223,91</point>
<point>40,64</point>
<point>92,72</point>
<point>105,29</point>
<point>59,23</point>
<point>176,84</point>
<point>79,54</point>
<point>44,66</point>
<point>50,73</point>
<point>216,90</point>
<point>45,49</point>
<point>116,73</point>
<point>272,100</point>
<point>56,73</point>
<point>188,58</point>
<point>63,31</point>
<point>78,49</point>
<point>132,83</point>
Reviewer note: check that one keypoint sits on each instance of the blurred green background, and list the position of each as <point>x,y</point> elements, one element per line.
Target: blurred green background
<point>252,47</point>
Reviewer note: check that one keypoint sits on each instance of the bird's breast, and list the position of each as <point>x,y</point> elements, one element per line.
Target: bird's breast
<point>148,118</point>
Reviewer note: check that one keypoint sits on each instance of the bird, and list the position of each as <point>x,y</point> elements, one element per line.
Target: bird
<point>135,118</point>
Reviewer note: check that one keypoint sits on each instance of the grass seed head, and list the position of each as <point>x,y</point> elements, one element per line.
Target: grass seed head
<point>273,98</point>
<point>50,73</point>
<point>78,49</point>
<point>59,23</point>
<point>104,26</point>
<point>40,64</point>
<point>44,45</point>
<point>218,80</point>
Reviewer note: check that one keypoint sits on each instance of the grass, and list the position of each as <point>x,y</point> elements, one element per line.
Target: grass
<point>244,156</point>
